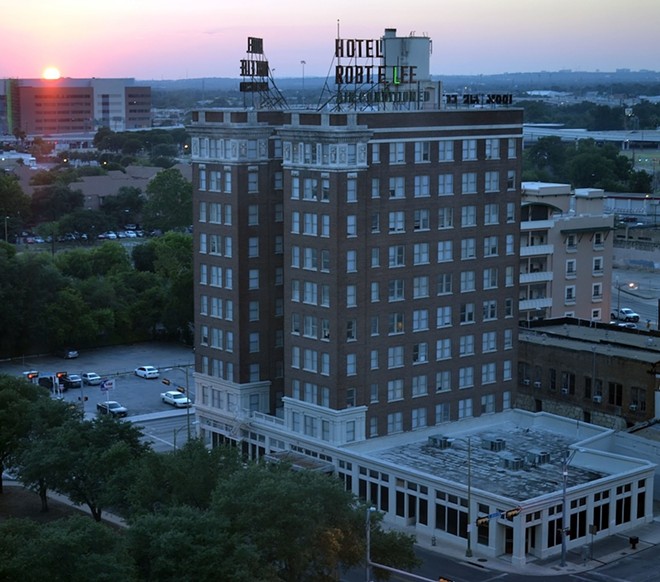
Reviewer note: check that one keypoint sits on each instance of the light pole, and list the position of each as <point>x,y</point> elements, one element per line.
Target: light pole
<point>187,391</point>
<point>369,510</point>
<point>630,286</point>
<point>303,63</point>
<point>564,510</point>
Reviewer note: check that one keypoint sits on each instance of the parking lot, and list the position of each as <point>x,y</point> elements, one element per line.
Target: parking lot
<point>140,396</point>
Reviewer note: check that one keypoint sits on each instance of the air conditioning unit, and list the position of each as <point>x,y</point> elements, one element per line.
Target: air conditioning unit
<point>633,407</point>
<point>537,384</point>
<point>538,457</point>
<point>493,444</point>
<point>564,390</point>
<point>526,381</point>
<point>439,441</point>
<point>598,399</point>
<point>513,463</point>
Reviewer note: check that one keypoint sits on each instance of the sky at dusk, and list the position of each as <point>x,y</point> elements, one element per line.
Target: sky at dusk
<point>164,39</point>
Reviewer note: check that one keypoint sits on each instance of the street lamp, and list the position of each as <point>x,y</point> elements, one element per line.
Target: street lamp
<point>369,511</point>
<point>630,286</point>
<point>564,511</point>
<point>187,391</point>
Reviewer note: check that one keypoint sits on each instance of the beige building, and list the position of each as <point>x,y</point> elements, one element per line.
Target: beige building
<point>566,247</point>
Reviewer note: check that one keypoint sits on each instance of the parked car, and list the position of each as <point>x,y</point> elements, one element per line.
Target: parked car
<point>628,324</point>
<point>111,407</point>
<point>91,379</point>
<point>625,314</point>
<point>71,381</point>
<point>146,372</point>
<point>175,398</point>
<point>68,353</point>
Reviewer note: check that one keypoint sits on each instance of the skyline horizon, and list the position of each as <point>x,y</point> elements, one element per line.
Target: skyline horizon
<point>149,40</point>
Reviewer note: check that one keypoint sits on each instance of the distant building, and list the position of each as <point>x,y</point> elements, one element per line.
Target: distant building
<point>565,253</point>
<point>45,107</point>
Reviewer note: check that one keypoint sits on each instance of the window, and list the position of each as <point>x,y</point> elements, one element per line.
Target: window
<point>511,180</point>
<point>510,212</point>
<point>507,370</point>
<point>420,287</point>
<point>443,349</point>
<point>397,152</point>
<point>488,403</point>
<point>466,345</point>
<point>490,309</point>
<point>597,266</point>
<point>351,261</point>
<point>444,284</point>
<point>422,151</point>
<point>421,220</point>
<point>510,244</point>
<point>395,323</point>
<point>469,149</point>
<point>445,184</point>
<point>310,224</point>
<point>493,149</point>
<point>488,373</point>
<point>420,386</point>
<point>253,310</point>
<point>351,190</point>
<point>351,225</point>
<point>351,330</point>
<point>466,377</point>
<point>394,422</point>
<point>253,182</point>
<point>490,278</point>
<point>375,153</point>
<point>446,151</point>
<point>396,290</point>
<point>443,381</point>
<point>420,353</point>
<point>375,187</point>
<point>394,390</point>
<point>467,281</point>
<point>445,218</point>
<point>443,316</point>
<point>508,276</point>
<point>469,183</point>
<point>397,221</point>
<point>253,279</point>
<point>374,360</point>
<point>422,187</point>
<point>310,326</point>
<point>490,246</point>
<point>420,319</point>
<point>511,147</point>
<point>375,257</point>
<point>421,254</point>
<point>467,313</point>
<point>596,291</point>
<point>488,341</point>
<point>254,342</point>
<point>571,271</point>
<point>397,187</point>
<point>253,247</point>
<point>396,256</point>
<point>492,181</point>
<point>468,248</point>
<point>508,307</point>
<point>351,296</point>
<point>569,294</point>
<point>599,240</point>
<point>310,259</point>
<point>375,291</point>
<point>508,339</point>
<point>418,418</point>
<point>395,357</point>
<point>445,253</point>
<point>351,364</point>
<point>491,213</point>
<point>253,215</point>
<point>310,293</point>
<point>468,216</point>
<point>375,325</point>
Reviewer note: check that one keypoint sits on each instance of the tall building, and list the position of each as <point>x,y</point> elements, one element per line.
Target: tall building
<point>566,250</point>
<point>356,272</point>
<point>74,106</point>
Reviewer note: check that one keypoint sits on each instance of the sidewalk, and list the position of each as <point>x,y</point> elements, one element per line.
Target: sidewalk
<point>581,559</point>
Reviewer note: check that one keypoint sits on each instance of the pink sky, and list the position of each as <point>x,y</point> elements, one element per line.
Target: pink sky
<point>164,39</point>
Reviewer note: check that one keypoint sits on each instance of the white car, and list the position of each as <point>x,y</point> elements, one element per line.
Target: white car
<point>175,398</point>
<point>91,379</point>
<point>146,372</point>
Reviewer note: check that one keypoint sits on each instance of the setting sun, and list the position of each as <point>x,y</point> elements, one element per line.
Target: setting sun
<point>51,73</point>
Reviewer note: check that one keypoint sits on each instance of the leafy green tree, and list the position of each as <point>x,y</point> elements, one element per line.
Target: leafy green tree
<point>70,550</point>
<point>35,459</point>
<point>53,202</point>
<point>184,543</point>
<point>95,458</point>
<point>17,397</point>
<point>124,207</point>
<point>169,201</point>
<point>111,257</point>
<point>13,201</point>
<point>186,476</point>
<point>303,523</point>
<point>70,319</point>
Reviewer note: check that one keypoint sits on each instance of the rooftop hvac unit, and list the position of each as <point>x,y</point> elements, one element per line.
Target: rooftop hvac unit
<point>633,407</point>
<point>526,382</point>
<point>598,399</point>
<point>538,457</point>
<point>493,444</point>
<point>513,463</point>
<point>439,441</point>
<point>564,390</point>
<point>537,384</point>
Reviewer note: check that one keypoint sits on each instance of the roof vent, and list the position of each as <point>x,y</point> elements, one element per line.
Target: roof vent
<point>538,457</point>
<point>493,444</point>
<point>439,441</point>
<point>513,462</point>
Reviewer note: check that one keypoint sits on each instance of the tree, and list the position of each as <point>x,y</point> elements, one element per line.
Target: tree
<point>95,458</point>
<point>35,458</point>
<point>13,201</point>
<point>16,399</point>
<point>169,202</point>
<point>72,550</point>
<point>303,523</point>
